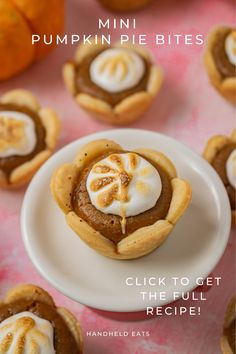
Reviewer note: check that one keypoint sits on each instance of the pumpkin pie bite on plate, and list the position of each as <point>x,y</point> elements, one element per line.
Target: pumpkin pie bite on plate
<point>220,61</point>
<point>228,338</point>
<point>30,322</point>
<point>113,83</point>
<point>121,203</point>
<point>220,152</point>
<point>28,136</point>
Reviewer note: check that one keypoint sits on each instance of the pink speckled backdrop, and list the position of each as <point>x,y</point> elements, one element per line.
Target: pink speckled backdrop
<point>188,109</point>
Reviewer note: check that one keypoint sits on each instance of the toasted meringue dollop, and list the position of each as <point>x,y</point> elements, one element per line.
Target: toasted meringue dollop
<point>17,134</point>
<point>26,333</point>
<point>117,69</point>
<point>231,168</point>
<point>230,47</point>
<point>124,184</point>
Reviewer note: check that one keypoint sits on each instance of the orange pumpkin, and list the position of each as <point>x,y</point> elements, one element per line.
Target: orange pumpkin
<point>19,19</point>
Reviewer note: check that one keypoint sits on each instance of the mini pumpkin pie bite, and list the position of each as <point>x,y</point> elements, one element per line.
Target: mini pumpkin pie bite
<point>113,83</point>
<point>28,135</point>
<point>228,338</point>
<point>220,61</point>
<point>121,203</point>
<point>30,323</point>
<point>220,152</point>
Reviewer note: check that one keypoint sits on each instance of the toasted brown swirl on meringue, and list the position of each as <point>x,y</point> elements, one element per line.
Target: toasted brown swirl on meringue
<point>26,333</point>
<point>124,184</point>
<point>117,69</point>
<point>17,134</point>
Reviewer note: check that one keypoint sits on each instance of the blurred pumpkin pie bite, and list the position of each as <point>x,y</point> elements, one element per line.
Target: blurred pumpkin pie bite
<point>28,136</point>
<point>220,152</point>
<point>220,61</point>
<point>123,204</point>
<point>30,322</point>
<point>116,84</point>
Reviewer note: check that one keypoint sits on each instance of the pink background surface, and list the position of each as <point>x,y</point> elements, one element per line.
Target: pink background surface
<point>188,109</point>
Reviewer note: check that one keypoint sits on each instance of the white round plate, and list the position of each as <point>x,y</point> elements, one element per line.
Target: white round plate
<point>192,250</point>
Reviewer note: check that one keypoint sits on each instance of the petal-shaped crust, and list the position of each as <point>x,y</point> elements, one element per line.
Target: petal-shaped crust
<point>25,172</point>
<point>213,146</point>
<point>227,87</point>
<point>21,97</point>
<point>144,240</point>
<point>73,325</point>
<point>29,292</point>
<point>62,185</point>
<point>160,159</point>
<point>213,72</point>
<point>225,347</point>
<point>51,123</point>
<point>233,135</point>
<point>63,179</point>
<point>52,126</point>
<point>155,80</point>
<point>181,197</point>
<point>139,243</point>
<point>230,316</point>
<point>69,77</point>
<point>94,149</point>
<point>90,236</point>
<point>96,107</point>
<point>129,109</point>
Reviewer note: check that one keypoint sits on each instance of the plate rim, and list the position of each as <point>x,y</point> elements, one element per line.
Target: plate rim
<point>97,135</point>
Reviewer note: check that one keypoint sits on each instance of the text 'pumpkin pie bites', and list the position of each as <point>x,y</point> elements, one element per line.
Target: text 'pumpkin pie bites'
<point>30,322</point>
<point>220,152</point>
<point>220,61</point>
<point>122,204</point>
<point>114,83</point>
<point>228,338</point>
<point>28,136</point>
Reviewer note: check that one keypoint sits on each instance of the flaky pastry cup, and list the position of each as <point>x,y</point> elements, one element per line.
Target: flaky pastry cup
<point>131,107</point>
<point>143,240</point>
<point>50,121</point>
<point>225,86</point>
<point>230,316</point>
<point>35,293</point>
<point>213,146</point>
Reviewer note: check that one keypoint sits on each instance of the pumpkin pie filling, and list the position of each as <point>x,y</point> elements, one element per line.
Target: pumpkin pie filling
<point>22,136</point>
<point>224,53</point>
<point>220,165</point>
<point>112,75</point>
<point>38,320</point>
<point>144,194</point>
